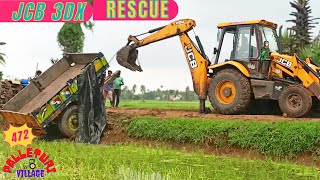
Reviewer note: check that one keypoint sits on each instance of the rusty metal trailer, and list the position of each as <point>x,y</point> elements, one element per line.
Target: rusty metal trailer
<point>50,95</point>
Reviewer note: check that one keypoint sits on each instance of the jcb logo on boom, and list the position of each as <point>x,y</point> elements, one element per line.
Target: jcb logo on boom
<point>285,62</point>
<point>191,57</point>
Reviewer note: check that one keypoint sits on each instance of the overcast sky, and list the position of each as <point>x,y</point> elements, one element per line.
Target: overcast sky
<point>163,62</point>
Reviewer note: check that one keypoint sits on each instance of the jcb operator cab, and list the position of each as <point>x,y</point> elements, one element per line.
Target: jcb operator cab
<point>248,42</point>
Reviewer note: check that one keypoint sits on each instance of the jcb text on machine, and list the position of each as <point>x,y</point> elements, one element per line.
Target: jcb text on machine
<point>248,66</point>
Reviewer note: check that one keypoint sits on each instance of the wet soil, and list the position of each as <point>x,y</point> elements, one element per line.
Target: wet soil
<point>195,114</point>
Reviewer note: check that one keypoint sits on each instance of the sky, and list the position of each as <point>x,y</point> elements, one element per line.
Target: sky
<point>163,62</point>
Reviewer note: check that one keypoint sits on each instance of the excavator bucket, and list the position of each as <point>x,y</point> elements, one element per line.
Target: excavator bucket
<point>127,57</point>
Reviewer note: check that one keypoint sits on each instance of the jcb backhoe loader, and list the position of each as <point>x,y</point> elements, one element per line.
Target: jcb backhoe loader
<point>248,65</point>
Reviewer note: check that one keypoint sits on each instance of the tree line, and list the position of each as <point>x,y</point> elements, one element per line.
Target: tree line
<point>142,93</point>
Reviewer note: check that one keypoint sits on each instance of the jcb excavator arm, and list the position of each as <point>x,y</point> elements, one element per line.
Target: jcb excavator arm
<point>196,58</point>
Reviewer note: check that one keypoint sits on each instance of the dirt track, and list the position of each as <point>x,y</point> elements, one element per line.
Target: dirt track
<point>163,113</point>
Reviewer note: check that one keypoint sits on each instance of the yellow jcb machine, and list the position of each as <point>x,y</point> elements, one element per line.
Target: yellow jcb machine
<point>248,66</point>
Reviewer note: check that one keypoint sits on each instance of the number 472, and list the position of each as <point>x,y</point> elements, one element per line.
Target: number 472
<point>20,134</point>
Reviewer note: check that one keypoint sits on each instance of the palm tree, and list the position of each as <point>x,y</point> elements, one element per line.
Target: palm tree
<point>303,23</point>
<point>2,55</point>
<point>134,88</point>
<point>143,91</point>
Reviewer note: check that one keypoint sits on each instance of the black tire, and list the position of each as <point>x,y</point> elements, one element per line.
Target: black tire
<point>243,92</point>
<point>295,101</point>
<point>66,129</point>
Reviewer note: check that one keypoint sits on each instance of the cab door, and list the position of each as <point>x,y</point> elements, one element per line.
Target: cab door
<point>227,42</point>
<point>246,49</point>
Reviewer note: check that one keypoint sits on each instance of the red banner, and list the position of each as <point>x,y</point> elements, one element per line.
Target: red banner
<point>82,11</point>
<point>135,10</point>
<point>45,11</point>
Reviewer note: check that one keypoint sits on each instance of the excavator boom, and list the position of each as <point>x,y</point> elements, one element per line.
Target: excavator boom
<point>196,58</point>
<point>127,56</point>
<point>165,32</point>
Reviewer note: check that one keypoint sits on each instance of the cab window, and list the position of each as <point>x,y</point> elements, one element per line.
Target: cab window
<point>270,35</point>
<point>254,45</point>
<point>227,46</point>
<point>246,46</point>
<point>243,42</point>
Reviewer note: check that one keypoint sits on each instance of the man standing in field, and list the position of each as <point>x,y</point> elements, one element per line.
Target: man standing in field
<point>117,83</point>
<point>108,92</point>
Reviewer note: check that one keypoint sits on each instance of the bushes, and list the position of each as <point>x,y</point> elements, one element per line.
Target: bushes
<point>277,138</point>
<point>312,51</point>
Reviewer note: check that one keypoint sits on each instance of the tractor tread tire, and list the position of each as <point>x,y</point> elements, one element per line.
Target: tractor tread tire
<point>243,96</point>
<point>63,125</point>
<point>306,101</point>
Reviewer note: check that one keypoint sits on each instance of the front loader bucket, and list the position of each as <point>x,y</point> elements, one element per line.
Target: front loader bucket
<point>127,57</point>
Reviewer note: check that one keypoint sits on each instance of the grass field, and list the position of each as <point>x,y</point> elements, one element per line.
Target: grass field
<point>83,161</point>
<point>174,105</point>
<point>80,161</point>
<point>282,138</point>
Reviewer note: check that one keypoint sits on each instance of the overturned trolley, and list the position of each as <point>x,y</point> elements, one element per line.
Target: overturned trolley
<point>52,97</point>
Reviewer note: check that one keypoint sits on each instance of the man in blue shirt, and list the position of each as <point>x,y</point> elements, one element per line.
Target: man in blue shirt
<point>108,92</point>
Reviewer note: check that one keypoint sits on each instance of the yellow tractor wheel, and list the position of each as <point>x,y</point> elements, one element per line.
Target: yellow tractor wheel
<point>226,91</point>
<point>230,92</point>
<point>69,122</point>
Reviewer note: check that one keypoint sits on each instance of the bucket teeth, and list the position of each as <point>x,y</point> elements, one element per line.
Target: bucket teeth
<point>127,57</point>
